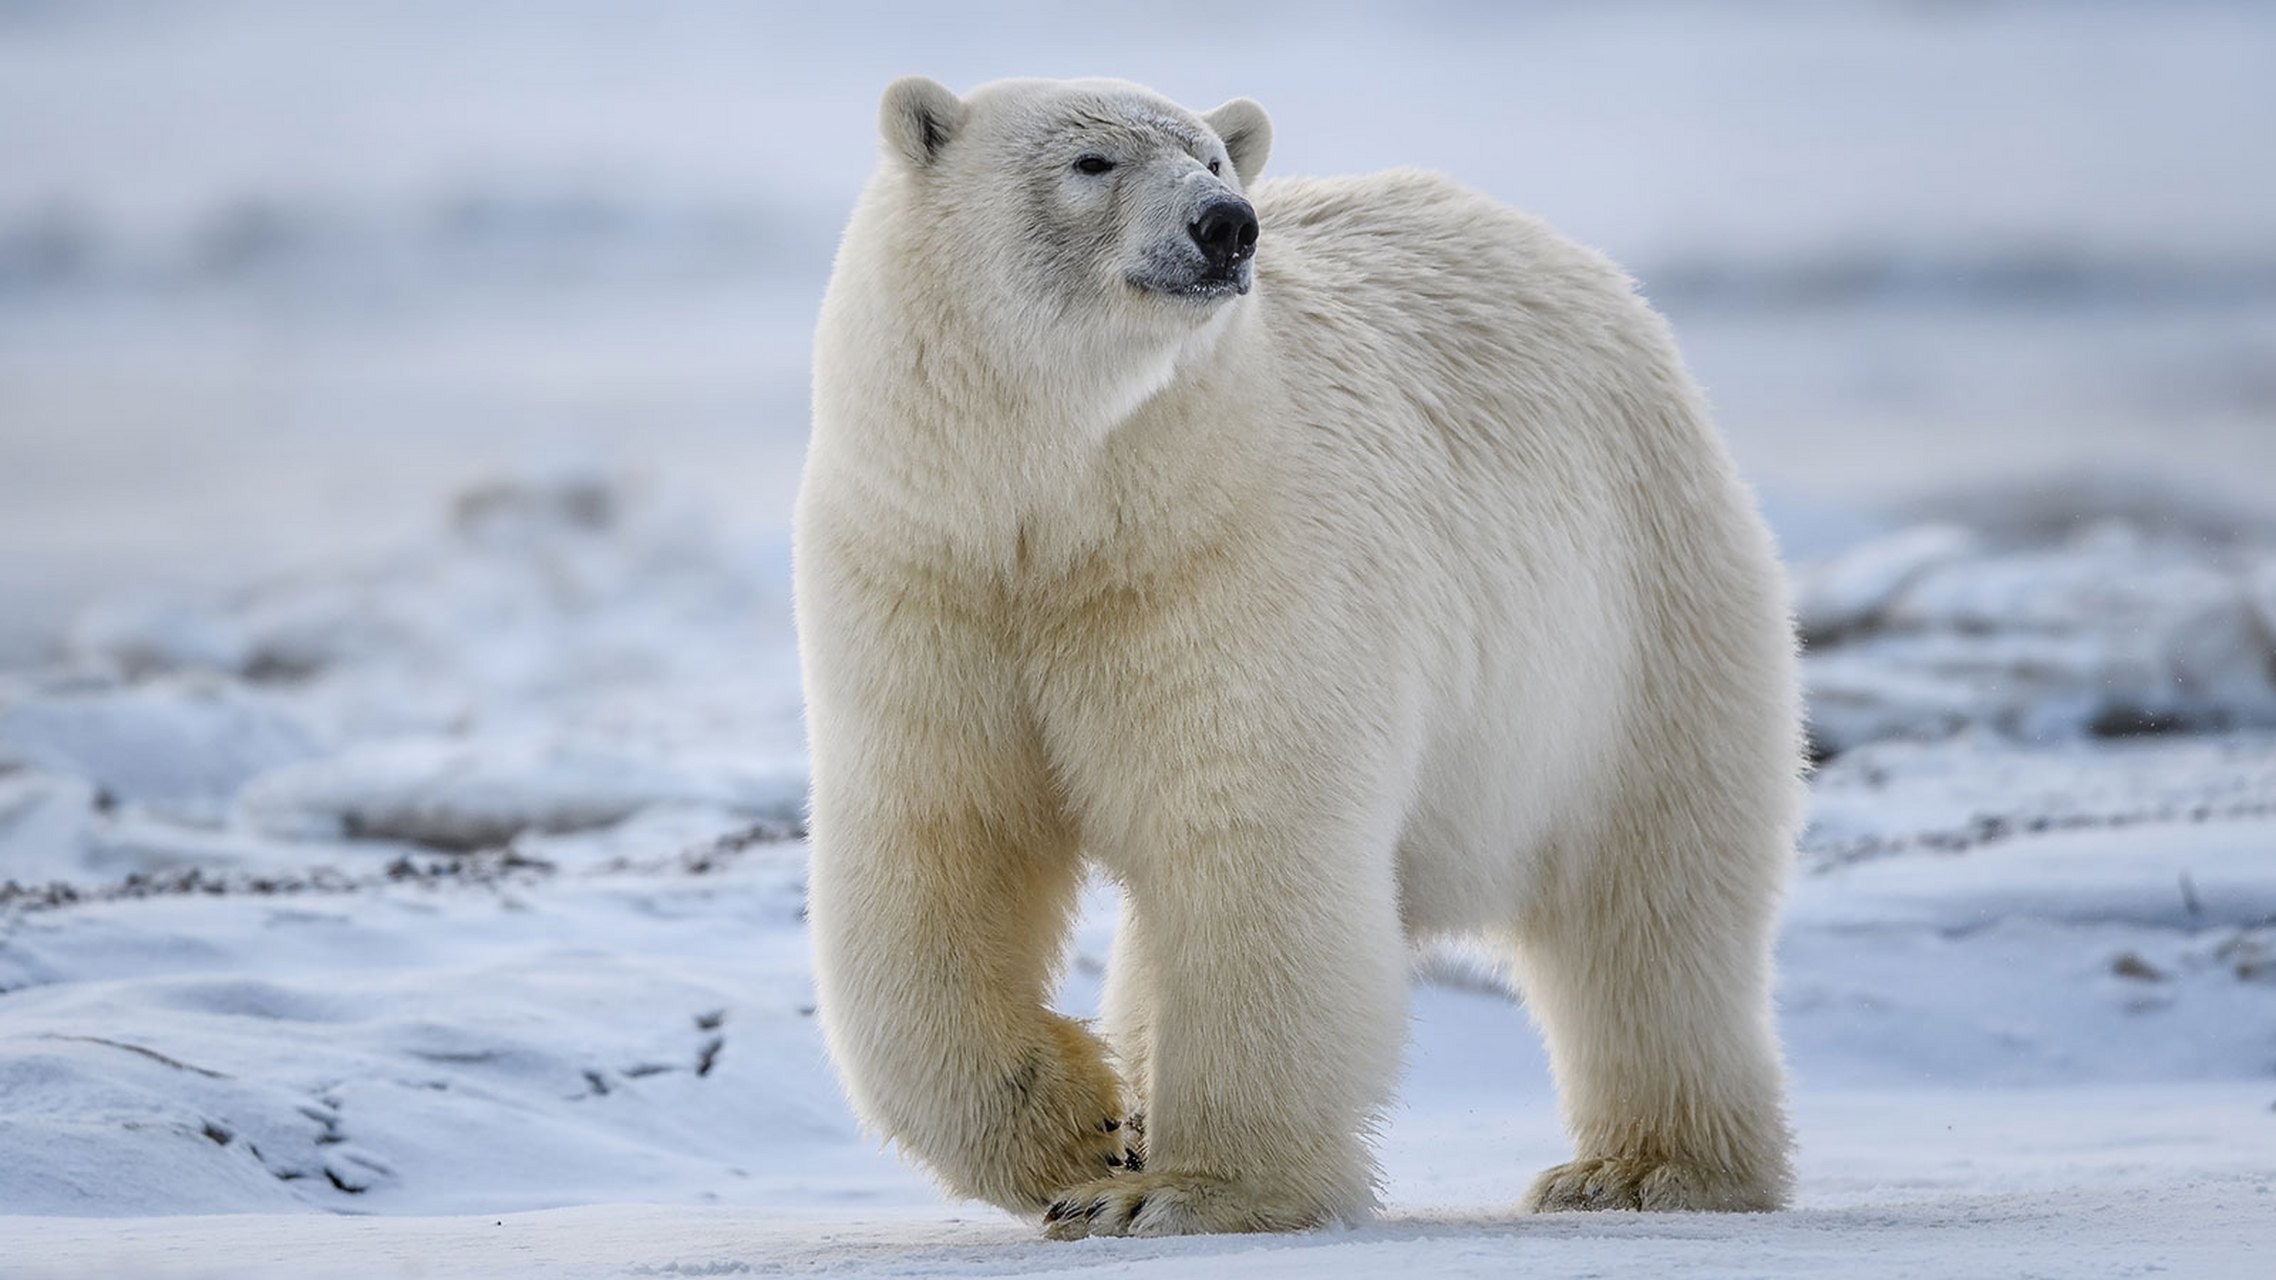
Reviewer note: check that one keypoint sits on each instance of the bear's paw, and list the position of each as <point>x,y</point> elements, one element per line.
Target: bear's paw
<point>1172,1204</point>
<point>1651,1183</point>
<point>1063,1125</point>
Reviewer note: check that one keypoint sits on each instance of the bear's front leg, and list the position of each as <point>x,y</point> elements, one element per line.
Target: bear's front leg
<point>1235,755</point>
<point>933,945</point>
<point>1276,979</point>
<point>1273,978</point>
<point>943,877</point>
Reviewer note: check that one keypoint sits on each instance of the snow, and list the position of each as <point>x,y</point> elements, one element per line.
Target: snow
<point>2198,1228</point>
<point>2111,631</point>
<point>1850,590</point>
<point>473,793</point>
<point>178,749</point>
<point>421,1046</point>
<point>469,941</point>
<point>401,860</point>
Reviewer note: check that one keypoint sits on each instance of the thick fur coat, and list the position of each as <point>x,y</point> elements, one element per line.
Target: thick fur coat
<point>1393,587</point>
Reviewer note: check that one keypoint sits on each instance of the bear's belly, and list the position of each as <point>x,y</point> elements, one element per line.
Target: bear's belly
<point>1496,800</point>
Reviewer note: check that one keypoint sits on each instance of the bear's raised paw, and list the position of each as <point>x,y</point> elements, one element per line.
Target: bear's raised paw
<point>1064,1126</point>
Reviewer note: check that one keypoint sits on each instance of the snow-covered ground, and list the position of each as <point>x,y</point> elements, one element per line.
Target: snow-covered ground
<point>462,887</point>
<point>400,768</point>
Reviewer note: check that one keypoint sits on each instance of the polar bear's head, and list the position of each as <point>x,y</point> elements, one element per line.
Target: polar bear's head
<point>1077,209</point>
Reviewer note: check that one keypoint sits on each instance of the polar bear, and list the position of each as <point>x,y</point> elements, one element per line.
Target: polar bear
<point>1338,565</point>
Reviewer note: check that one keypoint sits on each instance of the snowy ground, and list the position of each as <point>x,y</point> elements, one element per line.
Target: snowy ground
<point>399,756</point>
<point>462,887</point>
<point>2138,1216</point>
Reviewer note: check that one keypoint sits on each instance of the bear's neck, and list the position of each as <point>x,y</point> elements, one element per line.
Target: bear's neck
<point>1040,462</point>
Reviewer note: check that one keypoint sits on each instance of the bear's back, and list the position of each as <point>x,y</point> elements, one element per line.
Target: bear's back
<point>1410,251</point>
<point>1424,321</point>
<point>1408,279</point>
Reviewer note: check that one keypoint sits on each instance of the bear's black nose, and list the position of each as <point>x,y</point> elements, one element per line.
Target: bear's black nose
<point>1226,232</point>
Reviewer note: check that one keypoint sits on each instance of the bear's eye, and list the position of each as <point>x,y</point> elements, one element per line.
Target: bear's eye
<point>1213,167</point>
<point>1094,165</point>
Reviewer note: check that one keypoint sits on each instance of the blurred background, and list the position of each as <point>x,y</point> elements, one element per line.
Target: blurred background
<point>277,279</point>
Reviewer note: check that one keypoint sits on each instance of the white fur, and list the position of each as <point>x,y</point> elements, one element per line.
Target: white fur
<point>1409,596</point>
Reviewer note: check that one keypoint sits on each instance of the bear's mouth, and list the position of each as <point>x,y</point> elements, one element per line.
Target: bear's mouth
<point>1220,284</point>
<point>1202,286</point>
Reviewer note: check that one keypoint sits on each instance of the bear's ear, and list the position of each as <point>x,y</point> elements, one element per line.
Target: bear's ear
<point>918,117</point>
<point>1247,132</point>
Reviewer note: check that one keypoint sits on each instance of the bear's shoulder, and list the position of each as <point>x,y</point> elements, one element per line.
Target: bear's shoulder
<point>1388,206</point>
<point>1408,229</point>
<point>1408,262</point>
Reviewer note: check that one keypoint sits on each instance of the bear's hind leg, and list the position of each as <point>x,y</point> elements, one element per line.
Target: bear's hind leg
<point>1649,972</point>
